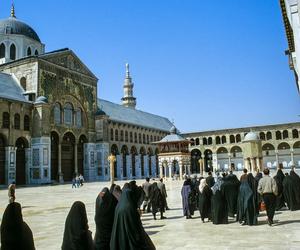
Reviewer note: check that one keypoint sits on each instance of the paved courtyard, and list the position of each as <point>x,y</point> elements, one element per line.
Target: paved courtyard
<point>45,209</point>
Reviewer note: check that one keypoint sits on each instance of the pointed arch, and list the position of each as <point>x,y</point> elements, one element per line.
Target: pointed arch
<point>2,50</point>
<point>12,51</point>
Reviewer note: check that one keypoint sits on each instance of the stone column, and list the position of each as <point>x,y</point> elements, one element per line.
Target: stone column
<point>292,156</point>
<point>277,158</point>
<point>253,164</point>
<point>180,171</point>
<point>60,173</point>
<point>170,171</point>
<point>160,170</point>
<point>112,160</point>
<point>229,160</point>
<point>76,159</point>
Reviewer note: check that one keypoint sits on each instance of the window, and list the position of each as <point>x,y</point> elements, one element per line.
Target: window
<point>147,139</point>
<point>68,114</point>
<point>285,134</point>
<point>2,50</point>
<point>232,139</point>
<point>29,51</point>
<point>26,123</point>
<point>278,135</point>
<point>111,134</point>
<point>12,50</point>
<point>144,139</point>
<point>209,141</point>
<point>238,138</point>
<point>17,121</point>
<point>126,136</point>
<point>223,139</point>
<point>204,141</point>
<point>131,137</point>
<point>57,113</point>
<point>79,118</point>
<point>197,141</point>
<point>262,136</point>
<point>135,138</point>
<point>140,138</point>
<point>218,140</point>
<point>122,135</point>
<point>295,133</point>
<point>5,120</point>
<point>116,135</point>
<point>151,138</point>
<point>23,83</point>
<point>269,135</point>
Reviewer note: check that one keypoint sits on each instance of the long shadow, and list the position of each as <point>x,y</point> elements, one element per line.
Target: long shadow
<point>280,223</point>
<point>175,217</point>
<point>147,219</point>
<point>153,226</point>
<point>152,232</point>
<point>177,208</point>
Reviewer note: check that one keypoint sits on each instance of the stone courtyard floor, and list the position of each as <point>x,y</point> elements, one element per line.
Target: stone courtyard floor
<point>45,209</point>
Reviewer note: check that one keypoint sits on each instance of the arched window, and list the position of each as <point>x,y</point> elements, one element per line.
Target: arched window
<point>192,142</point>
<point>12,52</point>
<point>17,121</point>
<point>147,139</point>
<point>57,113</point>
<point>140,138</point>
<point>36,52</point>
<point>262,136</point>
<point>151,138</point>
<point>223,139</point>
<point>116,135</point>
<point>2,50</point>
<point>135,138</point>
<point>209,141</point>
<point>68,114</point>
<point>204,141</point>
<point>126,136</point>
<point>111,134</point>
<point>26,123</point>
<point>155,138</point>
<point>295,133</point>
<point>23,83</point>
<point>269,135</point>
<point>218,140</point>
<point>78,118</point>
<point>144,139</point>
<point>29,51</point>
<point>130,137</point>
<point>278,135</point>
<point>5,120</point>
<point>232,139</point>
<point>122,135</point>
<point>197,141</point>
<point>285,134</point>
<point>238,138</point>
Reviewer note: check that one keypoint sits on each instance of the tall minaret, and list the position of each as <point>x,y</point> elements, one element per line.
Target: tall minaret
<point>128,99</point>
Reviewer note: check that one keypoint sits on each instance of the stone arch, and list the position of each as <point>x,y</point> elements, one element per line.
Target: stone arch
<point>222,150</point>
<point>36,52</point>
<point>80,153</point>
<point>197,142</point>
<point>133,152</point>
<point>208,160</point>
<point>269,135</point>
<point>204,141</point>
<point>23,83</point>
<point>114,149</point>
<point>262,136</point>
<point>222,156</point>
<point>29,51</point>
<point>285,134</point>
<point>238,138</point>
<point>67,156</point>
<point>2,50</point>
<point>278,135</point>
<point>218,140</point>
<point>283,145</point>
<point>236,157</point>
<point>284,154</point>
<point>269,155</point>
<point>21,144</point>
<point>3,145</point>
<point>124,153</point>
<point>142,161</point>
<point>68,113</point>
<point>150,154</point>
<point>232,139</point>
<point>54,155</point>
<point>295,133</point>
<point>192,141</point>
<point>209,140</point>
<point>223,139</point>
<point>195,157</point>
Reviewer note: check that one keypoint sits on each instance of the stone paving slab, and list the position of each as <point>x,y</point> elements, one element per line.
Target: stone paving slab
<point>45,209</point>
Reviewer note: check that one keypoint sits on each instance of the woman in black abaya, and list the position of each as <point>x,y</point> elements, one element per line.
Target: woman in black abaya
<point>128,232</point>
<point>279,178</point>
<point>205,194</point>
<point>77,235</point>
<point>219,210</point>
<point>104,218</point>
<point>15,233</point>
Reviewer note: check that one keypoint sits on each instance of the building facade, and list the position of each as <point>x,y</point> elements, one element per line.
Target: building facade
<point>221,149</point>
<point>52,125</point>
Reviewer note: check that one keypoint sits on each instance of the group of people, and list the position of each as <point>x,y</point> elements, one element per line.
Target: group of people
<point>117,219</point>
<point>227,196</point>
<point>77,181</point>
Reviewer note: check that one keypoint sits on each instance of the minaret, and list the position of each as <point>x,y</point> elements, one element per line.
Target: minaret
<point>128,100</point>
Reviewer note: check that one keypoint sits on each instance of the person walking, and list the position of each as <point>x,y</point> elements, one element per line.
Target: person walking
<point>146,187</point>
<point>12,192</point>
<point>267,187</point>
<point>162,188</point>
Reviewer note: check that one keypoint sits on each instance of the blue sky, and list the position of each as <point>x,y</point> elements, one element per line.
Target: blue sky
<point>205,64</point>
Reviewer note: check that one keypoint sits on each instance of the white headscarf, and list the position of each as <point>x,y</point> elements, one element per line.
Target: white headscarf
<point>202,185</point>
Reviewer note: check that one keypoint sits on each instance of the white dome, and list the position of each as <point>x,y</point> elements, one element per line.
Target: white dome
<point>251,136</point>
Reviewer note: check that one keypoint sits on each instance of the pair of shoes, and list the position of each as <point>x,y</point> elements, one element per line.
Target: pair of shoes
<point>163,217</point>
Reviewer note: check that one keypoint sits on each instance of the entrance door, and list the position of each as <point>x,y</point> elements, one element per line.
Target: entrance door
<point>54,156</point>
<point>67,156</point>
<point>80,158</point>
<point>2,160</point>
<point>20,162</point>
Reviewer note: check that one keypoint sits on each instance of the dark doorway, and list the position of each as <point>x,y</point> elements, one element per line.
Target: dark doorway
<point>195,157</point>
<point>208,160</point>
<point>124,152</point>
<point>133,154</point>
<point>2,160</point>
<point>21,144</point>
<point>54,156</point>
<point>67,156</point>
<point>80,154</point>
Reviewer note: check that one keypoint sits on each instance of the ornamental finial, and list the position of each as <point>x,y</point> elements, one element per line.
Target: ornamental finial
<point>12,10</point>
<point>127,70</point>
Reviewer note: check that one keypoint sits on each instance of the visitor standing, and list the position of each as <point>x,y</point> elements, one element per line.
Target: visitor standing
<point>12,192</point>
<point>210,180</point>
<point>146,186</point>
<point>157,201</point>
<point>162,187</point>
<point>219,211</point>
<point>279,178</point>
<point>205,194</point>
<point>185,192</point>
<point>231,191</point>
<point>267,187</point>
<point>81,180</point>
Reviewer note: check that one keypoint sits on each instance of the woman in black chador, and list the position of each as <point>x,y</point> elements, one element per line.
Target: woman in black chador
<point>279,177</point>
<point>77,235</point>
<point>219,210</point>
<point>157,201</point>
<point>205,194</point>
<point>247,207</point>
<point>15,233</point>
<point>104,218</point>
<point>291,191</point>
<point>128,232</point>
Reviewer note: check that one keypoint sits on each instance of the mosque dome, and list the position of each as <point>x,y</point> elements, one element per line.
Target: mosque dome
<point>100,112</point>
<point>12,25</point>
<point>41,100</point>
<point>251,137</point>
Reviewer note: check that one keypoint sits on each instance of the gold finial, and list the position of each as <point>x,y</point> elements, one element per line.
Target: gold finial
<point>12,10</point>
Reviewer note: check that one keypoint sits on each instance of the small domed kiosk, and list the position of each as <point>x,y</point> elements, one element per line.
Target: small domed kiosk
<point>253,158</point>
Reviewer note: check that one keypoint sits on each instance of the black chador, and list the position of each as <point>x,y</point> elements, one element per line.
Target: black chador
<point>77,235</point>
<point>204,205</point>
<point>279,178</point>
<point>291,191</point>
<point>128,232</point>
<point>104,218</point>
<point>230,188</point>
<point>219,211</point>
<point>15,233</point>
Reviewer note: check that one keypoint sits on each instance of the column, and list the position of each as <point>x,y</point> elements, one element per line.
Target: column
<point>160,170</point>
<point>170,171</point>
<point>277,158</point>
<point>215,161</point>
<point>60,173</point>
<point>76,158</point>
<point>258,166</point>
<point>165,173</point>
<point>229,161</point>
<point>253,164</point>
<point>180,171</point>
<point>292,156</point>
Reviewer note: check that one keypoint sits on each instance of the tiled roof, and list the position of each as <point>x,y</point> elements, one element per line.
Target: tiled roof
<point>172,138</point>
<point>10,89</point>
<point>119,113</point>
